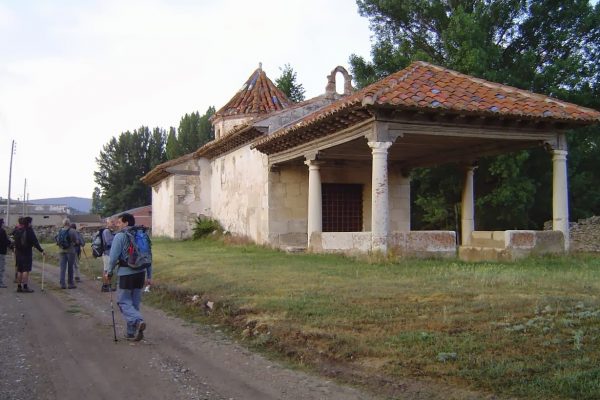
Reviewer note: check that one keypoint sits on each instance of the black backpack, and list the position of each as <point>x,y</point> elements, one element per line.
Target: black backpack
<point>20,238</point>
<point>98,243</point>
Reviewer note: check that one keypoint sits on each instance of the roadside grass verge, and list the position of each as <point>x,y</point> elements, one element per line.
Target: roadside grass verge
<point>529,329</point>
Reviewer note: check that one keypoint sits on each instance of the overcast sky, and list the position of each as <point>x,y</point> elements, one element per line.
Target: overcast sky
<point>75,73</point>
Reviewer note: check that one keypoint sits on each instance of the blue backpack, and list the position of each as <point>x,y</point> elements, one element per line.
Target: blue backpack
<point>63,240</point>
<point>139,252</point>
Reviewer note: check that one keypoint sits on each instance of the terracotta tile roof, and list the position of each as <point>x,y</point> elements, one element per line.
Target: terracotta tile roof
<point>257,96</point>
<point>160,172</point>
<point>251,130</point>
<point>423,86</point>
<point>238,136</point>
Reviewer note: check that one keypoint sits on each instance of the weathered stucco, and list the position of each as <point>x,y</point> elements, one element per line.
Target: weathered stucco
<point>288,206</point>
<point>239,193</point>
<point>163,204</point>
<point>225,125</point>
<point>176,202</point>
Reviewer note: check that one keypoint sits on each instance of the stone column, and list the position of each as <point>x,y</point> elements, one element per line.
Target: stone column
<point>467,207</point>
<point>315,205</point>
<point>560,194</point>
<point>379,197</point>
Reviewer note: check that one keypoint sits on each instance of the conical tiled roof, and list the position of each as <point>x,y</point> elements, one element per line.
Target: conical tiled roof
<point>257,96</point>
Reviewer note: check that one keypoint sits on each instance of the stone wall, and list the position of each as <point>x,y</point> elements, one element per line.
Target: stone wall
<point>47,233</point>
<point>585,234</point>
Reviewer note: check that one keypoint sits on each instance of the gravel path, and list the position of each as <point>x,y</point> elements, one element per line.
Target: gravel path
<point>58,344</point>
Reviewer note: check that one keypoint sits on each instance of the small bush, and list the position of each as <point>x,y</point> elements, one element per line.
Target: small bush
<point>205,227</point>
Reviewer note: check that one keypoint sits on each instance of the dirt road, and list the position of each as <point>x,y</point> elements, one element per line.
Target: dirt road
<point>58,344</point>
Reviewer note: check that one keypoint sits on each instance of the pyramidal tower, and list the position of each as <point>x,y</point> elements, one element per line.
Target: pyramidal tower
<point>258,96</point>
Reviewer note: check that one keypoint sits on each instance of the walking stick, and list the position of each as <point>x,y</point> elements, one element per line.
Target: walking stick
<point>112,310</point>
<point>87,260</point>
<point>43,269</point>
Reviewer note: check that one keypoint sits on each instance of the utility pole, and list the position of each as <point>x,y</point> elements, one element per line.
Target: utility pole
<point>12,151</point>
<point>25,198</point>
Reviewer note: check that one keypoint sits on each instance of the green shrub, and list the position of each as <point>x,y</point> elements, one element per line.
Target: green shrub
<point>205,227</point>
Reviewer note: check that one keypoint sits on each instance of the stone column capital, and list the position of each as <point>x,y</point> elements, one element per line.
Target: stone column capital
<point>313,164</point>
<point>379,147</point>
<point>559,154</point>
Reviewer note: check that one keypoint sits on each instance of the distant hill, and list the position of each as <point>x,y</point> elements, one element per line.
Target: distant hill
<point>80,204</point>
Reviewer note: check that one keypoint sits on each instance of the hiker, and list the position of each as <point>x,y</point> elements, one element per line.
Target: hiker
<point>67,239</point>
<point>5,244</point>
<point>78,246</point>
<point>107,239</point>
<point>24,241</point>
<point>18,226</point>
<point>131,281</point>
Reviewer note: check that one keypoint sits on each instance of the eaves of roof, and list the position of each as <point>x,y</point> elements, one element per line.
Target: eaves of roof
<point>160,172</point>
<point>426,87</point>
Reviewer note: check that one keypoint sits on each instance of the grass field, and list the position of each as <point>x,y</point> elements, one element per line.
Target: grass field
<point>527,330</point>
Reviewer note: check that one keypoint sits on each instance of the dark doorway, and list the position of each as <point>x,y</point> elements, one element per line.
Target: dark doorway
<point>342,207</point>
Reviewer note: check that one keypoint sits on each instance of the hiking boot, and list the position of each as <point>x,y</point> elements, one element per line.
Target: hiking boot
<point>105,288</point>
<point>19,289</point>
<point>63,287</point>
<point>130,336</point>
<point>72,287</point>
<point>27,290</point>
<point>140,327</point>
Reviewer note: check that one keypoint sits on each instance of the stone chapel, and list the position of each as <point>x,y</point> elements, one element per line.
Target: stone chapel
<point>332,173</point>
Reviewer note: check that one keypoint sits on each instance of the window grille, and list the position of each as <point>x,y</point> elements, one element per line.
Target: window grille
<point>342,207</point>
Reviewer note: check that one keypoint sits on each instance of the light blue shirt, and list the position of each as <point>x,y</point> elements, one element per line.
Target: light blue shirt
<point>118,251</point>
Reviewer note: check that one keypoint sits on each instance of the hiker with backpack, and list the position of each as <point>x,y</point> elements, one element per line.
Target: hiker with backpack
<point>66,240</point>
<point>78,246</point>
<point>131,253</point>
<point>108,236</point>
<point>5,244</point>
<point>25,240</point>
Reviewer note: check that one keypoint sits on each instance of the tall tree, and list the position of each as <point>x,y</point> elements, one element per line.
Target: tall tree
<point>287,84</point>
<point>194,131</point>
<point>121,164</point>
<point>96,201</point>
<point>172,149</point>
<point>546,46</point>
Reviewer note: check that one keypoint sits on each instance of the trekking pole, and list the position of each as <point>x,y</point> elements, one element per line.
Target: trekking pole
<point>43,268</point>
<point>87,260</point>
<point>112,310</point>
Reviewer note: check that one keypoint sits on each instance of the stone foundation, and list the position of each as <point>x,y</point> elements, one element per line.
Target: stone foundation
<point>422,244</point>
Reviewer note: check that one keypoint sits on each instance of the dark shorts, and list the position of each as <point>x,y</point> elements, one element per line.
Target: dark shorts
<point>24,262</point>
<point>133,281</point>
